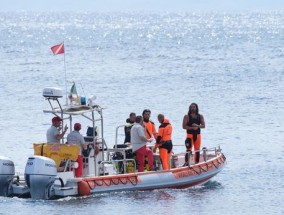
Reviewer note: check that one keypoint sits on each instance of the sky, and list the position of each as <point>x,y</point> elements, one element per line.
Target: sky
<point>140,5</point>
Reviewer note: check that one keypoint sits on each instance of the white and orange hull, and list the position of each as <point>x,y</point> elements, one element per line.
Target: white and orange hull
<point>43,181</point>
<point>182,177</point>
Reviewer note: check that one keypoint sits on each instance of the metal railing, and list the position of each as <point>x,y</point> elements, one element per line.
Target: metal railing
<point>115,164</point>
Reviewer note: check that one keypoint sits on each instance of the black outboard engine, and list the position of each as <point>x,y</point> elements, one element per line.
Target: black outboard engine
<point>7,172</point>
<point>40,175</point>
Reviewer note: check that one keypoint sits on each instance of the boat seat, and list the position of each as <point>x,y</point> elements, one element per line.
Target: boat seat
<point>90,134</point>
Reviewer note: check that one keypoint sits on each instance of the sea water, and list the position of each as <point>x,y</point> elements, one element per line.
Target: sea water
<point>231,64</point>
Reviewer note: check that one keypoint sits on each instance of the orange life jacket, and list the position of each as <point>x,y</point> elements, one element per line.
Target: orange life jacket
<point>150,129</point>
<point>165,131</point>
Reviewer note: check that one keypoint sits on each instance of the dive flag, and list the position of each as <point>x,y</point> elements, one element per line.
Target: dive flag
<point>58,49</point>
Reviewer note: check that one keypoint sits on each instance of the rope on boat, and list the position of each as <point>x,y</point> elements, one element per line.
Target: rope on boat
<point>112,181</point>
<point>216,166</point>
<point>123,182</point>
<point>135,181</point>
<point>194,170</point>
<point>206,167</point>
<point>204,170</point>
<point>219,162</point>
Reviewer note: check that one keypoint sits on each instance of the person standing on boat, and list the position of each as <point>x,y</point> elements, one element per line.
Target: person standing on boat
<point>150,130</point>
<point>75,137</point>
<point>130,121</point>
<point>138,142</point>
<point>53,134</point>
<point>164,141</point>
<point>192,123</point>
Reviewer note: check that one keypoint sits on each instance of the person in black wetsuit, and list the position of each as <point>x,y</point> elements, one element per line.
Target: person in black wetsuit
<point>130,121</point>
<point>192,123</point>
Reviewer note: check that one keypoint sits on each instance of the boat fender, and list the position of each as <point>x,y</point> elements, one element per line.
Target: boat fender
<point>83,188</point>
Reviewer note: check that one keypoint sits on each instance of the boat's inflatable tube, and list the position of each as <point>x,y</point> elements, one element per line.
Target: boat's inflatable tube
<point>40,173</point>
<point>7,172</point>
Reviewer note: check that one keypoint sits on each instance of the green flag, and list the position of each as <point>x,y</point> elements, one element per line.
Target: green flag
<point>73,89</point>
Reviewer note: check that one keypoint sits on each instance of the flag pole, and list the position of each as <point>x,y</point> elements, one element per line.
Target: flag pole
<point>65,76</point>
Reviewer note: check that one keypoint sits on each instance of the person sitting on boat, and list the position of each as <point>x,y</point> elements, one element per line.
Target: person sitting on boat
<point>192,123</point>
<point>53,134</point>
<point>130,121</point>
<point>164,141</point>
<point>75,137</point>
<point>138,142</point>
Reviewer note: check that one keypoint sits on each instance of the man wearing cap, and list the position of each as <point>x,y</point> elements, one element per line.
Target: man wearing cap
<point>76,138</point>
<point>53,134</point>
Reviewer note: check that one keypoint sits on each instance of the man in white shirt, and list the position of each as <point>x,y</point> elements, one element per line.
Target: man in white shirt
<point>53,134</point>
<point>138,142</point>
<point>76,138</point>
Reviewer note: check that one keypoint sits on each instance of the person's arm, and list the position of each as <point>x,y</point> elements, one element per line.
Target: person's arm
<point>184,123</point>
<point>142,136</point>
<point>202,122</point>
<point>97,149</point>
<point>154,132</point>
<point>83,143</point>
<point>60,136</point>
<point>144,139</point>
<point>159,135</point>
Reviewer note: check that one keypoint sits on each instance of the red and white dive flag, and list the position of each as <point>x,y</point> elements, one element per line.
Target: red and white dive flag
<point>58,49</point>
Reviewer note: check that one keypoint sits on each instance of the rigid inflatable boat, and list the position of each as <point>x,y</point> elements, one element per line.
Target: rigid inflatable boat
<point>49,173</point>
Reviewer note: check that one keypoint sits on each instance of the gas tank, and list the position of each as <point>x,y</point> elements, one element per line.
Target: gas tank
<point>40,173</point>
<point>7,172</point>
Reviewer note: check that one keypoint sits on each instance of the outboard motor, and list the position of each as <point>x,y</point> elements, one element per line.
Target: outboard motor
<point>7,172</point>
<point>40,173</point>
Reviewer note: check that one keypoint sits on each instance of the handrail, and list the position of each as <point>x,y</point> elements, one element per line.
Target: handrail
<point>122,150</point>
<point>116,134</point>
<point>205,153</point>
<point>116,161</point>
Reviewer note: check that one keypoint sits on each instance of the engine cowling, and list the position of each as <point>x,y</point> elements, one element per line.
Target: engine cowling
<point>40,173</point>
<point>7,172</point>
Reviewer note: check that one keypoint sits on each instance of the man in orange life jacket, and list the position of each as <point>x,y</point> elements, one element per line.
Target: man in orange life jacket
<point>164,141</point>
<point>192,123</point>
<point>150,130</point>
<point>149,125</point>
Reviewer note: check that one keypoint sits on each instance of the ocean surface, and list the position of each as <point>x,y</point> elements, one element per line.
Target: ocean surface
<point>231,64</point>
